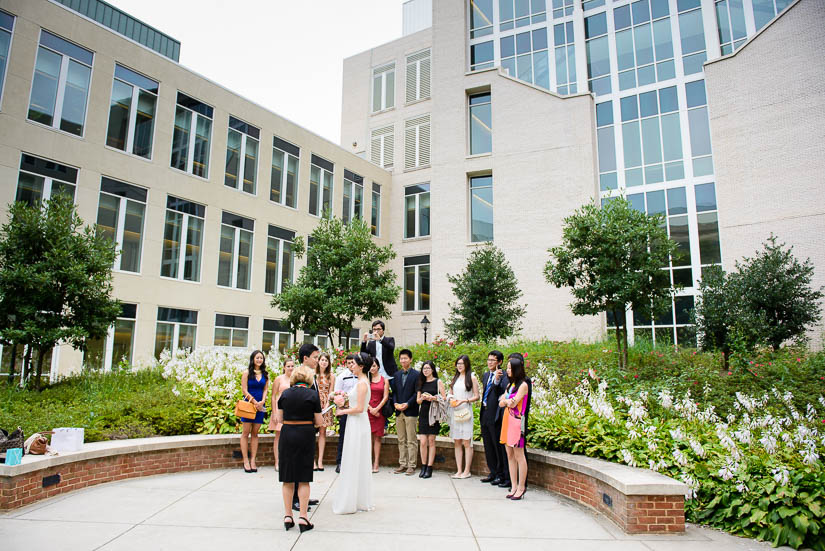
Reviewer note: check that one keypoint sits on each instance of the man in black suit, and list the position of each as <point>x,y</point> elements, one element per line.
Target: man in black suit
<point>404,396</point>
<point>494,384</point>
<point>381,348</point>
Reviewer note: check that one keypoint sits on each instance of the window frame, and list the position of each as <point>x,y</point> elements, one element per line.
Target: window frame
<point>121,221</point>
<point>60,93</point>
<point>375,210</point>
<point>385,135</point>
<point>277,330</point>
<point>48,181</point>
<point>417,195</point>
<point>193,126</point>
<point>248,134</point>
<point>416,60</point>
<point>128,146</point>
<point>184,243</point>
<point>236,246</point>
<point>232,329</point>
<point>5,71</point>
<point>282,146</point>
<point>417,263</point>
<point>416,126</point>
<point>325,168</point>
<point>354,182</point>
<point>470,109</point>
<point>109,339</point>
<point>278,234</point>
<point>471,218</point>
<point>382,71</point>
<point>176,325</point>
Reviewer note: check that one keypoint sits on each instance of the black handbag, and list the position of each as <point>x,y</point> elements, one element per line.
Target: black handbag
<point>388,409</point>
<point>13,440</point>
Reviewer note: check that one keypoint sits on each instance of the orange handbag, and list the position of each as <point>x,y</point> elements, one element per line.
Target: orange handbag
<point>245,410</point>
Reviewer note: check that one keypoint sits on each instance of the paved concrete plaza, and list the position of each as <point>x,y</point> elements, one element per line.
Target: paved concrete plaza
<point>230,509</point>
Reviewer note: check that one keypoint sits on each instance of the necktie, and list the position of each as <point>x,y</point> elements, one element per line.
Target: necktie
<point>490,380</point>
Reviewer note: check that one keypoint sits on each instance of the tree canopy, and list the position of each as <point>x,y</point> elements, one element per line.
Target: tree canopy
<point>55,279</point>
<point>345,278</point>
<point>612,257</point>
<point>487,295</point>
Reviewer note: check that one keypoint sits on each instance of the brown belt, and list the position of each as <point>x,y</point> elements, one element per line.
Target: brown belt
<point>298,423</point>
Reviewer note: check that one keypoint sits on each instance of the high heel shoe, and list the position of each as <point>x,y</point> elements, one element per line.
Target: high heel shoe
<point>423,471</point>
<point>305,527</point>
<point>514,497</point>
<point>429,473</point>
<point>290,524</point>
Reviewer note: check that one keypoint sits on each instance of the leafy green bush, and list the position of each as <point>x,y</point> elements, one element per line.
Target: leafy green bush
<point>108,406</point>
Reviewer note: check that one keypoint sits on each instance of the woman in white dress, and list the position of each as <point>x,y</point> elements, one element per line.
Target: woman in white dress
<point>463,392</point>
<point>354,491</point>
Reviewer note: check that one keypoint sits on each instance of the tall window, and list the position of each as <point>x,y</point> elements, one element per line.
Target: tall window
<point>40,179</point>
<point>117,346</point>
<point>561,8</point>
<point>700,149</point>
<point>6,30</point>
<point>765,10</point>
<point>416,211</point>
<point>598,53</point>
<point>320,186</point>
<point>520,13</point>
<point>730,20</point>
<point>417,142</point>
<point>692,34</point>
<point>481,209</point>
<point>280,259</point>
<point>417,283</point>
<point>182,240</point>
<point>353,197</point>
<point>276,335</point>
<point>481,124</point>
<point>320,339</point>
<point>382,146</point>
<point>120,215</point>
<point>565,49</point>
<point>231,330</point>
<point>284,183</point>
<point>418,76</point>
<point>234,257</point>
<point>375,219</point>
<point>524,56</point>
<point>383,87</point>
<point>606,139</point>
<point>176,330</point>
<point>707,221</point>
<point>481,18</point>
<point>241,156</point>
<point>132,112</point>
<point>190,140</point>
<point>644,46</point>
<point>60,88</point>
<point>652,137</point>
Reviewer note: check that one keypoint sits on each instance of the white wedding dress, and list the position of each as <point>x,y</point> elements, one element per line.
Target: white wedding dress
<point>354,492</point>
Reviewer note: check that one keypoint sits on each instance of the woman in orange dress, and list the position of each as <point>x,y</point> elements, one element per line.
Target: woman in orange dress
<point>325,382</point>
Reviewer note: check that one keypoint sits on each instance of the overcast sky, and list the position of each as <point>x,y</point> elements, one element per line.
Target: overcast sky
<point>286,55</point>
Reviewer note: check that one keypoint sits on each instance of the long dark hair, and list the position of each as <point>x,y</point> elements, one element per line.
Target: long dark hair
<point>318,371</point>
<point>263,365</point>
<point>517,370</point>
<point>468,378</point>
<point>422,378</point>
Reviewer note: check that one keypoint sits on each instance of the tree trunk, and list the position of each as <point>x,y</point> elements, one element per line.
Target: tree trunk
<point>27,361</point>
<point>13,362</point>
<point>39,369</point>
<point>624,346</point>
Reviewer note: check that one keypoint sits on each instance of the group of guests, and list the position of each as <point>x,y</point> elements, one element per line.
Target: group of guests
<point>420,402</point>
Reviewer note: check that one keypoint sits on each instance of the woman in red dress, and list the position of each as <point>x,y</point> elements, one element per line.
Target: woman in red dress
<point>379,394</point>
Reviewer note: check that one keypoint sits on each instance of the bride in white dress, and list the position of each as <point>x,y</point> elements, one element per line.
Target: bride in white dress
<point>354,491</point>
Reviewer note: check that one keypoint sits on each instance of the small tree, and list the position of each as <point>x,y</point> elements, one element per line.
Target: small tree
<point>776,287</point>
<point>55,279</point>
<point>612,258</point>
<point>488,294</point>
<point>722,320</point>
<point>343,280</point>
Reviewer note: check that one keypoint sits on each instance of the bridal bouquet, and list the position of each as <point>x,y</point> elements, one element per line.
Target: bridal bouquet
<point>343,395</point>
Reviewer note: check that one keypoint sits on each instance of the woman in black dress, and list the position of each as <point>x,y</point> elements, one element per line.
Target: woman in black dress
<point>429,389</point>
<point>300,411</point>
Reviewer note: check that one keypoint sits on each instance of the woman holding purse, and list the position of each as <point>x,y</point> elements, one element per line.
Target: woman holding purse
<point>463,392</point>
<point>254,384</point>
<point>512,430</point>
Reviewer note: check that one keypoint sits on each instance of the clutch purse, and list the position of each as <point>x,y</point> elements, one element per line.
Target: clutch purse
<point>245,410</point>
<point>462,415</point>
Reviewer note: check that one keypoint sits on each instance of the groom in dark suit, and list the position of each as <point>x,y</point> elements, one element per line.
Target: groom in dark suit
<point>380,347</point>
<point>404,396</point>
<point>494,384</point>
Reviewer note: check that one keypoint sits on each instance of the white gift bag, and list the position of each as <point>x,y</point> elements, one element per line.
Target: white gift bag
<point>67,439</point>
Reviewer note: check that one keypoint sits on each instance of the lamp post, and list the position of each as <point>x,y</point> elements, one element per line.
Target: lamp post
<point>425,324</point>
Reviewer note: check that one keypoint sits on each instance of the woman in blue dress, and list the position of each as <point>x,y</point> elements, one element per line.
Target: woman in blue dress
<point>254,384</point>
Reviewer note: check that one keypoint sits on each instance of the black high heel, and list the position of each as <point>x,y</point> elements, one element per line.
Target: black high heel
<point>305,527</point>
<point>290,524</point>
<point>429,473</point>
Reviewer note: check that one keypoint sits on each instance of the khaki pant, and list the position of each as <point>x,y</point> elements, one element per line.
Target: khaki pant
<point>405,427</point>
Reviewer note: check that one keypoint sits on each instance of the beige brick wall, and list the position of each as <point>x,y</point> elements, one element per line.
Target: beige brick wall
<point>767,118</point>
